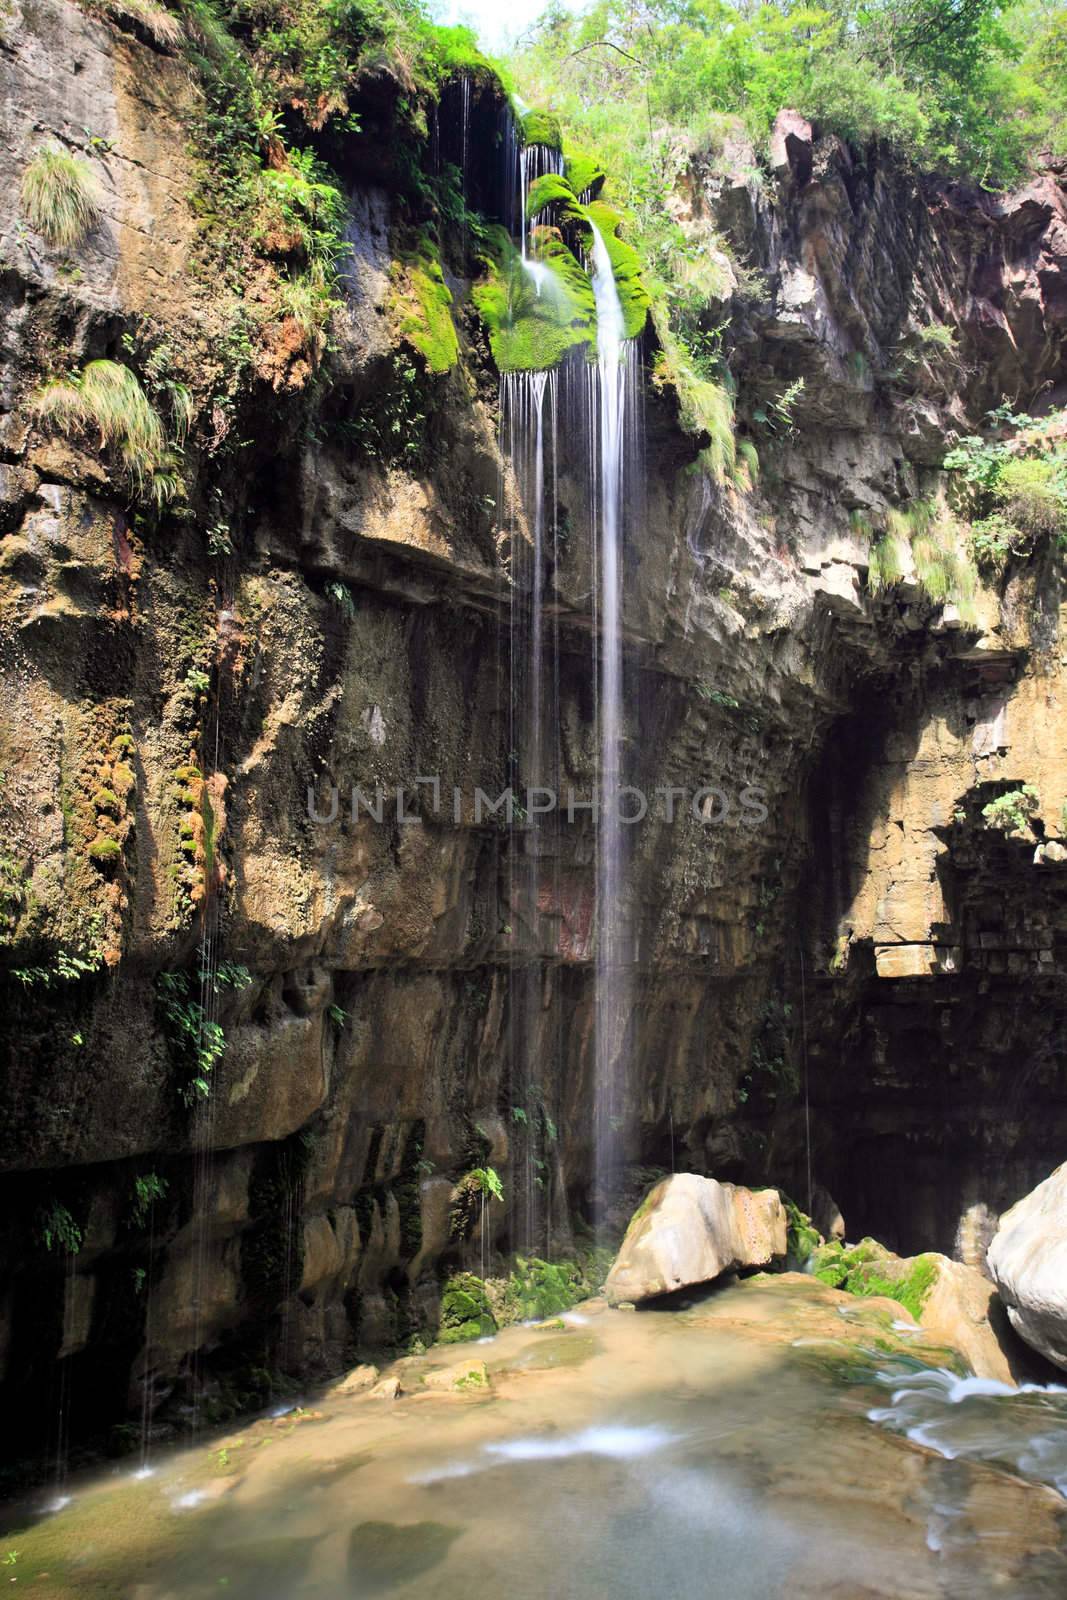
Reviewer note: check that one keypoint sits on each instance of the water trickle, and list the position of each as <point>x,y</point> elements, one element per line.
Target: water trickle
<point>528,416</point>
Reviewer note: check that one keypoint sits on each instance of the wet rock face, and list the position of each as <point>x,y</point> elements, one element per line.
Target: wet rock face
<point>364,635</point>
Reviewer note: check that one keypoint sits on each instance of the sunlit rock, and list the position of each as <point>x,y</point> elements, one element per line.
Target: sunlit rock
<point>1028,1260</point>
<point>691,1230</point>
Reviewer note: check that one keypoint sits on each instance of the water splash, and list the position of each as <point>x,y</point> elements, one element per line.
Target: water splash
<point>980,1419</point>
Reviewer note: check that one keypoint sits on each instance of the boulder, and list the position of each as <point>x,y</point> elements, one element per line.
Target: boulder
<point>962,1310</point>
<point>360,1378</point>
<point>463,1378</point>
<point>952,1303</point>
<point>1028,1260</point>
<point>826,1214</point>
<point>690,1230</point>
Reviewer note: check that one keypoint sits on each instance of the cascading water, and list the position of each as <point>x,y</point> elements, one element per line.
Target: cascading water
<point>615,382</point>
<point>602,399</point>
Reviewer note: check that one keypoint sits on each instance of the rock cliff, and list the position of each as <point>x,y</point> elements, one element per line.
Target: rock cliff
<point>334,603</point>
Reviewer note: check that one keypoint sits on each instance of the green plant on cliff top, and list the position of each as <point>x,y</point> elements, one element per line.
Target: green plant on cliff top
<point>486,1181</point>
<point>1011,812</point>
<point>107,399</point>
<point>1011,483</point>
<point>60,196</point>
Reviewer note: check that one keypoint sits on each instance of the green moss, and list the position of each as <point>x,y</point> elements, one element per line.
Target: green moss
<point>422,306</point>
<point>465,1310</point>
<point>533,324</point>
<point>584,173</point>
<point>869,1269</point>
<point>802,1236</point>
<point>540,127</point>
<point>626,265</point>
<point>539,1289</point>
<point>105,849</point>
<point>552,190</point>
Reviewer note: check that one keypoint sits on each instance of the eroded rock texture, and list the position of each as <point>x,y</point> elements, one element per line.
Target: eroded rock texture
<point>868,942</point>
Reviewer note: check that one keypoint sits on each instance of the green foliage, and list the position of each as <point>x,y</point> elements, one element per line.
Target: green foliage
<point>390,424</point>
<point>537,1289</point>
<point>107,398</point>
<point>67,967</point>
<point>924,532</point>
<point>58,1230</point>
<point>534,320</point>
<point>196,1041</point>
<point>104,850</point>
<point>486,1181</point>
<point>967,87</point>
<point>583,173</point>
<point>802,1236</point>
<point>705,401</point>
<point>540,127</point>
<point>1011,483</point>
<point>1011,812</point>
<point>147,1189</point>
<point>60,196</point>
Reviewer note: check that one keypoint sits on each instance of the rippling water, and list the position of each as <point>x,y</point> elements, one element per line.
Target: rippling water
<point>755,1446</point>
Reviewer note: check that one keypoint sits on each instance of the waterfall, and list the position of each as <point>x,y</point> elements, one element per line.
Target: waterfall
<point>535,160</point>
<point>528,422</point>
<point>614,377</point>
<point>600,405</point>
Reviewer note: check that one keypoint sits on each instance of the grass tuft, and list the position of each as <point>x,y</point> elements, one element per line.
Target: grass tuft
<point>60,196</point>
<point>107,398</point>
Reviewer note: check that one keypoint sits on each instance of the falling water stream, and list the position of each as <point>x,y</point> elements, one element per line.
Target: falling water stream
<point>613,360</point>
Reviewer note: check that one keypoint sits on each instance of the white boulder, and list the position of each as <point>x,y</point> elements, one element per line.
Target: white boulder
<point>1028,1261</point>
<point>689,1230</point>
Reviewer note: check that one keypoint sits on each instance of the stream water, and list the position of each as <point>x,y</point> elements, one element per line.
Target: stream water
<point>724,1450</point>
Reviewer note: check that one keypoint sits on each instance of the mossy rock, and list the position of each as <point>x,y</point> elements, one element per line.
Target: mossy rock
<point>552,190</point>
<point>422,307</point>
<point>465,1310</point>
<point>868,1268</point>
<point>539,1289</point>
<point>626,265</point>
<point>540,127</point>
<point>584,173</point>
<point>535,318</point>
